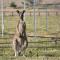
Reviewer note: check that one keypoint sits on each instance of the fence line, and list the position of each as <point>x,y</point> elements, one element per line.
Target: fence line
<point>30,13</point>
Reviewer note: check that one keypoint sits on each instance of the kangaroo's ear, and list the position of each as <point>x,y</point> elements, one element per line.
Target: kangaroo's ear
<point>18,11</point>
<point>24,11</point>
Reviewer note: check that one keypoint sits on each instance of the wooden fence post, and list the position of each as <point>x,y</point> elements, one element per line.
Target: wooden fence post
<point>12,13</point>
<point>39,13</point>
<point>30,13</point>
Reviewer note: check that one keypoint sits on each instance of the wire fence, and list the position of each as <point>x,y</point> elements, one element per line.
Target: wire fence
<point>43,31</point>
<point>46,20</point>
<point>44,45</point>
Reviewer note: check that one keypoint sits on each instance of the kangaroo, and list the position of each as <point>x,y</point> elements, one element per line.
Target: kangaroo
<point>20,42</point>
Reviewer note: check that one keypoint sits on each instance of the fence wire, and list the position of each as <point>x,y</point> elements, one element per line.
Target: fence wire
<point>43,41</point>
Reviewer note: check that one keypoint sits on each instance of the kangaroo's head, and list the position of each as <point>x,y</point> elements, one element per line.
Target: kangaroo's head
<point>21,14</point>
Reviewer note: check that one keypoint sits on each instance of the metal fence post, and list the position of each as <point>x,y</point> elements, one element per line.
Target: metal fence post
<point>34,16</point>
<point>2,17</point>
<point>46,20</point>
<point>24,8</point>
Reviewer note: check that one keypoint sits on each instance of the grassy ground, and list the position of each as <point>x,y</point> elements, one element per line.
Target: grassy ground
<point>48,47</point>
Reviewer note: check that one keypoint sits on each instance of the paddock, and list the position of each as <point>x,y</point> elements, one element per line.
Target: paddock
<point>43,32</point>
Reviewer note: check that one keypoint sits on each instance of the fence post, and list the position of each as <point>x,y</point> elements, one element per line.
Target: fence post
<point>34,17</point>
<point>12,13</point>
<point>30,13</point>
<point>24,8</point>
<point>2,17</point>
<point>56,13</point>
<point>46,19</point>
<point>39,13</point>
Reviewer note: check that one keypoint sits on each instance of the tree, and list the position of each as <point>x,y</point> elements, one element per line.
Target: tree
<point>37,2</point>
<point>13,5</point>
<point>30,1</point>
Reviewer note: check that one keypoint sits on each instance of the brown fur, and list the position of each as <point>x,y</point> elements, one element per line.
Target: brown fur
<point>20,42</point>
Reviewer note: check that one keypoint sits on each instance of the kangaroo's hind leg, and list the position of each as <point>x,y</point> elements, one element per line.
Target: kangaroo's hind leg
<point>15,47</point>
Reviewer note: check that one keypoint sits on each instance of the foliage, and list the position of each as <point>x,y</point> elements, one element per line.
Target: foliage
<point>36,1</point>
<point>13,5</point>
<point>30,1</point>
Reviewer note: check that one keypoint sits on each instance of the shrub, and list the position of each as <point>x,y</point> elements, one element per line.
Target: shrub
<point>13,5</point>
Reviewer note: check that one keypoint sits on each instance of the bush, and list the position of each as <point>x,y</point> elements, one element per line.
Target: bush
<point>13,5</point>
